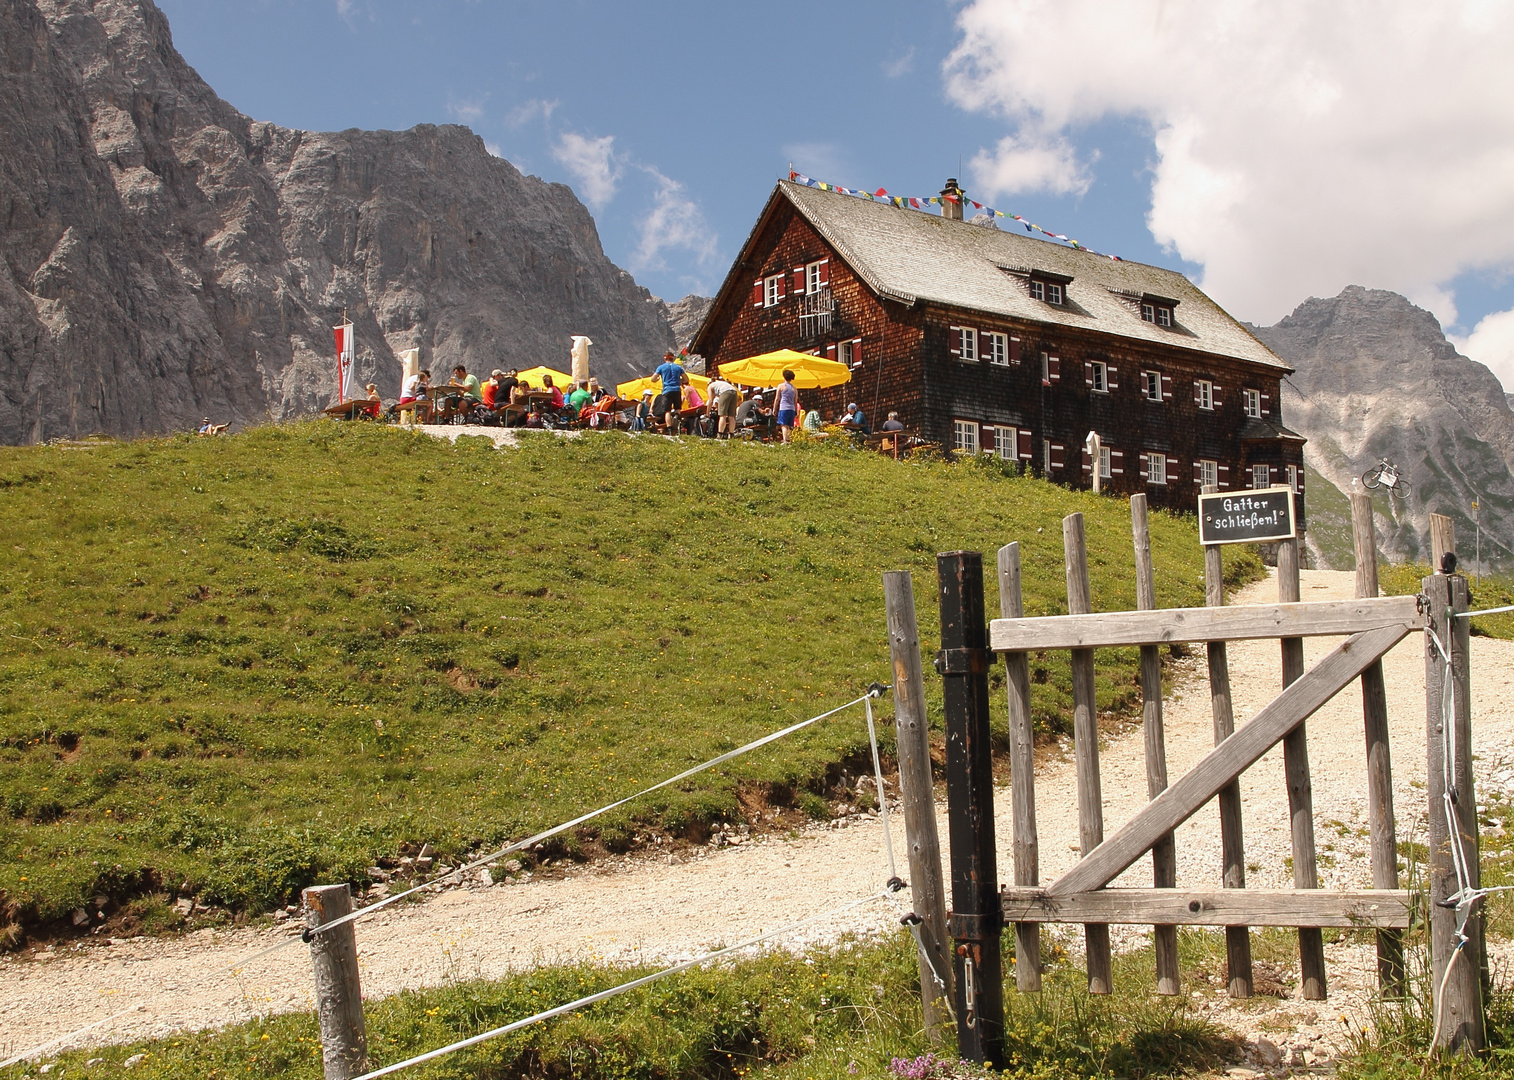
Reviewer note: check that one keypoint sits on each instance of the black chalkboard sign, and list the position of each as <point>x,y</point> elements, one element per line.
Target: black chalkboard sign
<point>1246,517</point>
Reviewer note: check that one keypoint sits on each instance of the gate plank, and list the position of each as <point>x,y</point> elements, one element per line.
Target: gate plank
<point>1114,628</point>
<point>1085,739</point>
<point>1385,908</point>
<point>1232,839</point>
<point>1022,773</point>
<point>1164,856</point>
<point>1228,760</point>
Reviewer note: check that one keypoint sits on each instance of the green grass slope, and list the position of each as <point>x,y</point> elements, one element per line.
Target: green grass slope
<point>232,667</point>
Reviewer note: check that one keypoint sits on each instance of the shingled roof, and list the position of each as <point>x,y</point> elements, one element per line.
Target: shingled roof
<point>912,256</point>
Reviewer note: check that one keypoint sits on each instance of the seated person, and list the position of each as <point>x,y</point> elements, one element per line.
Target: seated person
<point>752,414</point>
<point>813,427</point>
<point>892,423</point>
<point>373,403</point>
<point>468,383</point>
<point>557,398</point>
<point>579,398</point>
<point>414,387</point>
<point>692,398</point>
<point>489,392</point>
<point>855,420</point>
<point>646,413</point>
<point>598,393</point>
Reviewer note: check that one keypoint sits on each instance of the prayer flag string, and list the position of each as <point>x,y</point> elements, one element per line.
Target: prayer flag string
<point>920,202</point>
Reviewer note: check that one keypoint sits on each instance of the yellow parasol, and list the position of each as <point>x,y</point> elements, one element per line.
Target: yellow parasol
<point>810,372</point>
<point>560,379</point>
<point>630,391</point>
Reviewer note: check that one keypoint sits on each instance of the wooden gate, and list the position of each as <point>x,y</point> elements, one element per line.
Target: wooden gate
<point>1372,626</point>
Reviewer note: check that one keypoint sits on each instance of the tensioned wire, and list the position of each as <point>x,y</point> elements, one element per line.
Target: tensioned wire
<point>235,967</point>
<point>615,991</point>
<point>895,883</point>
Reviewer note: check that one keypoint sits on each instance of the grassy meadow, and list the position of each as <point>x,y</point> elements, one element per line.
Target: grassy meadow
<point>233,667</point>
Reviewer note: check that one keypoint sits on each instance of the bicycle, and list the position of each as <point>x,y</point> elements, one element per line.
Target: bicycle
<point>1385,475</point>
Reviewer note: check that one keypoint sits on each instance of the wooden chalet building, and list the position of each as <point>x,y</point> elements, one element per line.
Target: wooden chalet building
<point>989,341</point>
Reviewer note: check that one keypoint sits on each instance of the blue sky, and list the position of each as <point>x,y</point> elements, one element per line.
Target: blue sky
<point>674,119</point>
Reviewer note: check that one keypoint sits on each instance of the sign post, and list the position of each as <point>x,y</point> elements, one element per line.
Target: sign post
<point>1247,517</point>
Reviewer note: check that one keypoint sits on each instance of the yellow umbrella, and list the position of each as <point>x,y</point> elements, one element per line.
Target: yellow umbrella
<point>631,391</point>
<point>810,372</point>
<point>560,379</point>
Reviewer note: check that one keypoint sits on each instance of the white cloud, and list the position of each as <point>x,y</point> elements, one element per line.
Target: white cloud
<point>1491,342</point>
<point>593,163</point>
<point>493,148</point>
<point>1030,161</point>
<point>900,65</point>
<point>527,111</point>
<point>468,111</point>
<point>1298,147</point>
<point>675,222</point>
<point>345,8</point>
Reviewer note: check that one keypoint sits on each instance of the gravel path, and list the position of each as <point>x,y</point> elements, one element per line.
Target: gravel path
<point>663,906</point>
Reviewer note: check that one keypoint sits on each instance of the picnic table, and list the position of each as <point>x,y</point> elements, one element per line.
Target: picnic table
<point>892,442</point>
<point>353,409</point>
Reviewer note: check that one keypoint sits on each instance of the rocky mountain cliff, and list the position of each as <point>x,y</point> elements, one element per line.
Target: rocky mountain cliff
<point>164,257</point>
<point>1377,378</point>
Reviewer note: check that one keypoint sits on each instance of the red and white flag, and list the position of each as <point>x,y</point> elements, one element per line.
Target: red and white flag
<point>346,370</point>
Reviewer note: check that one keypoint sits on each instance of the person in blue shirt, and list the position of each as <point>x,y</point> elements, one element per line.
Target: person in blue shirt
<point>671,372</point>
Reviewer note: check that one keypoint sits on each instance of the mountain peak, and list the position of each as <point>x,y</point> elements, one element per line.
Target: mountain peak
<point>1375,377</point>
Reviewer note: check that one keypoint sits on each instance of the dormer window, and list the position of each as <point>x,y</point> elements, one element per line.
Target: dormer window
<point>1157,310</point>
<point>1049,291</point>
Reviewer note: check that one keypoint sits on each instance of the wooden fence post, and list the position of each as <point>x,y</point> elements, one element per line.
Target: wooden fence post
<point>1232,837</point>
<point>1311,942</point>
<point>977,912</point>
<point>338,997</point>
<point>917,792</point>
<point>1164,856</point>
<point>1022,773</point>
<point>1442,540</point>
<point>1381,826</point>
<point>1459,1009</point>
<point>1085,738</point>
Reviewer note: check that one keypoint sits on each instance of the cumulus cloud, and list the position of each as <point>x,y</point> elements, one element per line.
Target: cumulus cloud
<point>1297,147</point>
<point>675,222</point>
<point>1491,342</point>
<point>1030,161</point>
<point>527,111</point>
<point>594,165</point>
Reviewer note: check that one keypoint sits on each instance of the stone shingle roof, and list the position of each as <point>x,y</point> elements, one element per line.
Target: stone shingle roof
<point>913,256</point>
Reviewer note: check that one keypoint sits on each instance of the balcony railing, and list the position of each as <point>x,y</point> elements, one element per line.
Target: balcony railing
<point>816,310</point>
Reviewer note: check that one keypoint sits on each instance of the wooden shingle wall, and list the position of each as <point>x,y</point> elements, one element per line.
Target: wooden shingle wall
<point>911,363</point>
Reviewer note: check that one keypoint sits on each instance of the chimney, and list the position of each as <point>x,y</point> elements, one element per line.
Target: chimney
<point>952,209</point>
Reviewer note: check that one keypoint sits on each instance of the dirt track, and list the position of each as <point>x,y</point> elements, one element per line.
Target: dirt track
<point>660,906</point>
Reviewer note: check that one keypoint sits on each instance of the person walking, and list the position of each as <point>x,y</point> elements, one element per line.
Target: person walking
<point>787,405</point>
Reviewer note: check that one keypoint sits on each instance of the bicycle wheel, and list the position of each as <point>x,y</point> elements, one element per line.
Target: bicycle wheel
<point>1400,491</point>
<point>1372,478</point>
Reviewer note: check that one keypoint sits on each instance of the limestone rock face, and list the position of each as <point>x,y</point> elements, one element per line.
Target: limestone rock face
<point>166,257</point>
<point>687,316</point>
<point>1377,378</point>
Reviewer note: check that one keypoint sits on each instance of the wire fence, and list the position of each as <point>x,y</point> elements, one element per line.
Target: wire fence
<point>235,967</point>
